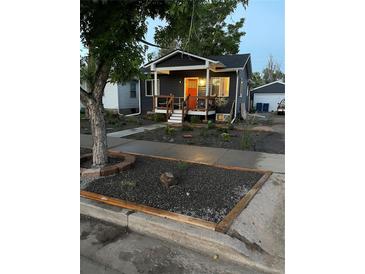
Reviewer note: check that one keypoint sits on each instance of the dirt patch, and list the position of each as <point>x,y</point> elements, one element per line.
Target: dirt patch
<point>270,142</point>
<point>202,191</point>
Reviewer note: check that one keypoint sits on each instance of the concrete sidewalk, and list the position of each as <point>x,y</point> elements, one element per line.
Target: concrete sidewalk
<point>131,131</point>
<point>206,155</point>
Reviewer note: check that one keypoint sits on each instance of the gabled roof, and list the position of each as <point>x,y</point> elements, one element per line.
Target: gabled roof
<point>231,60</point>
<point>273,87</point>
<point>178,51</point>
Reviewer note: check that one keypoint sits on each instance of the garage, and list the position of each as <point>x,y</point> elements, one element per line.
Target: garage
<point>267,97</point>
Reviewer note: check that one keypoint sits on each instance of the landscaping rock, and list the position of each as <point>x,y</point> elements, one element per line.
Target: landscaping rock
<point>167,179</point>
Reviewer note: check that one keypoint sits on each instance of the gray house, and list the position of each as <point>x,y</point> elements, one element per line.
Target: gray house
<point>181,84</point>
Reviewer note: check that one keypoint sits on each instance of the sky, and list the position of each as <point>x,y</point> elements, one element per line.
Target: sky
<point>264,27</point>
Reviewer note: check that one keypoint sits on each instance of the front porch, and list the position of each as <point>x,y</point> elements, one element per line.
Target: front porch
<point>179,107</point>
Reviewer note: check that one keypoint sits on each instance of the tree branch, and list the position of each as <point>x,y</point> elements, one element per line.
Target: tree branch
<point>85,97</point>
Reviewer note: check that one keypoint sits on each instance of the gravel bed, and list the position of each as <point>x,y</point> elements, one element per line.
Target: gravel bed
<point>269,142</point>
<point>202,191</point>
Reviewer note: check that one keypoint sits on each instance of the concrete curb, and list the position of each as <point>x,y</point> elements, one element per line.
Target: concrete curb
<point>199,239</point>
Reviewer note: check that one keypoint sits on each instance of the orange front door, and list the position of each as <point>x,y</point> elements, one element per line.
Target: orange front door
<point>192,91</point>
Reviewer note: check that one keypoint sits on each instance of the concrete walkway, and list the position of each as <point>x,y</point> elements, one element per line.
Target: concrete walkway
<point>206,155</point>
<point>127,132</point>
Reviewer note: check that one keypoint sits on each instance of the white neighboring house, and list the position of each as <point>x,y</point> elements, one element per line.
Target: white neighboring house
<point>271,94</point>
<point>122,98</point>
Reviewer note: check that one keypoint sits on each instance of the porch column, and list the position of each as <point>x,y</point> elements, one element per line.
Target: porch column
<point>207,83</point>
<point>155,82</point>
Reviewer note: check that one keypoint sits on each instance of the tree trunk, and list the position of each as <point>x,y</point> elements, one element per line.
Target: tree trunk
<point>98,132</point>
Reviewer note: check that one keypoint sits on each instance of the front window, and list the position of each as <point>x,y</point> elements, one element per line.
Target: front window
<point>150,86</point>
<point>133,89</point>
<point>220,86</point>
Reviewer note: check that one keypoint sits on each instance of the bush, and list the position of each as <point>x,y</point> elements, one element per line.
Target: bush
<point>159,117</point>
<point>195,119</point>
<point>187,127</point>
<point>170,130</point>
<point>211,124</point>
<point>246,140</point>
<point>226,137</point>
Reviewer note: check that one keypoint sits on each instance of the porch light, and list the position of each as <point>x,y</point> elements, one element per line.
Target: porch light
<point>201,82</point>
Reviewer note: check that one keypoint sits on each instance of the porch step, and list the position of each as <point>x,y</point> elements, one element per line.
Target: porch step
<point>174,121</point>
<point>177,111</point>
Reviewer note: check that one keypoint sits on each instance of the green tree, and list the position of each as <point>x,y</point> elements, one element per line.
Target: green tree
<point>256,80</point>
<point>111,31</point>
<point>199,27</point>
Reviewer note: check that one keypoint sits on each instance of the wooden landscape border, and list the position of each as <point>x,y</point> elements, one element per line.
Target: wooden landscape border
<point>222,226</point>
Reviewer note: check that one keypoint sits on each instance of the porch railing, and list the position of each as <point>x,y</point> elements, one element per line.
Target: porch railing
<point>171,103</point>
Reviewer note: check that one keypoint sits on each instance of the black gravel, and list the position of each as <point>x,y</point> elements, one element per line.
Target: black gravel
<point>202,191</point>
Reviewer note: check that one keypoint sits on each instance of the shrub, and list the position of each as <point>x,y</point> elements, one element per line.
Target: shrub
<point>187,127</point>
<point>159,117</point>
<point>170,130</point>
<point>195,119</point>
<point>182,165</point>
<point>246,140</point>
<point>226,137</point>
<point>211,124</point>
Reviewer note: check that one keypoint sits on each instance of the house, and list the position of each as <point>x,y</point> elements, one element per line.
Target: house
<point>182,84</point>
<point>121,98</point>
<point>270,94</point>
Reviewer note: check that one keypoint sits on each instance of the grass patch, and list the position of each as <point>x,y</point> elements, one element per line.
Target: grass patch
<point>246,140</point>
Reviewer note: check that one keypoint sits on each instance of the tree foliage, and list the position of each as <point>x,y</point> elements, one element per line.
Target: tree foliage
<point>200,27</point>
<point>111,31</point>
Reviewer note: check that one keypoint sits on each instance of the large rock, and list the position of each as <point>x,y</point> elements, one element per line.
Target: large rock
<point>167,179</point>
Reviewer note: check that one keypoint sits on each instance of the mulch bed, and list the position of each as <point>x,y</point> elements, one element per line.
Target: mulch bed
<point>202,191</point>
<point>270,142</point>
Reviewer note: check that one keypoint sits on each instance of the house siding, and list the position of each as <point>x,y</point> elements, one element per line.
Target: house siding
<point>125,102</point>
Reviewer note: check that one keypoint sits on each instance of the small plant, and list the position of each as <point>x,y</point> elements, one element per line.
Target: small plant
<point>246,140</point>
<point>211,124</point>
<point>182,165</point>
<point>131,120</point>
<point>187,127</point>
<point>169,130</point>
<point>226,137</point>
<point>204,132</point>
<point>159,117</point>
<point>128,183</point>
<point>195,119</point>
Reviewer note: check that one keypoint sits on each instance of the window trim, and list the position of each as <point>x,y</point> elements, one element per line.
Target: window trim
<point>219,77</point>
<point>153,87</point>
